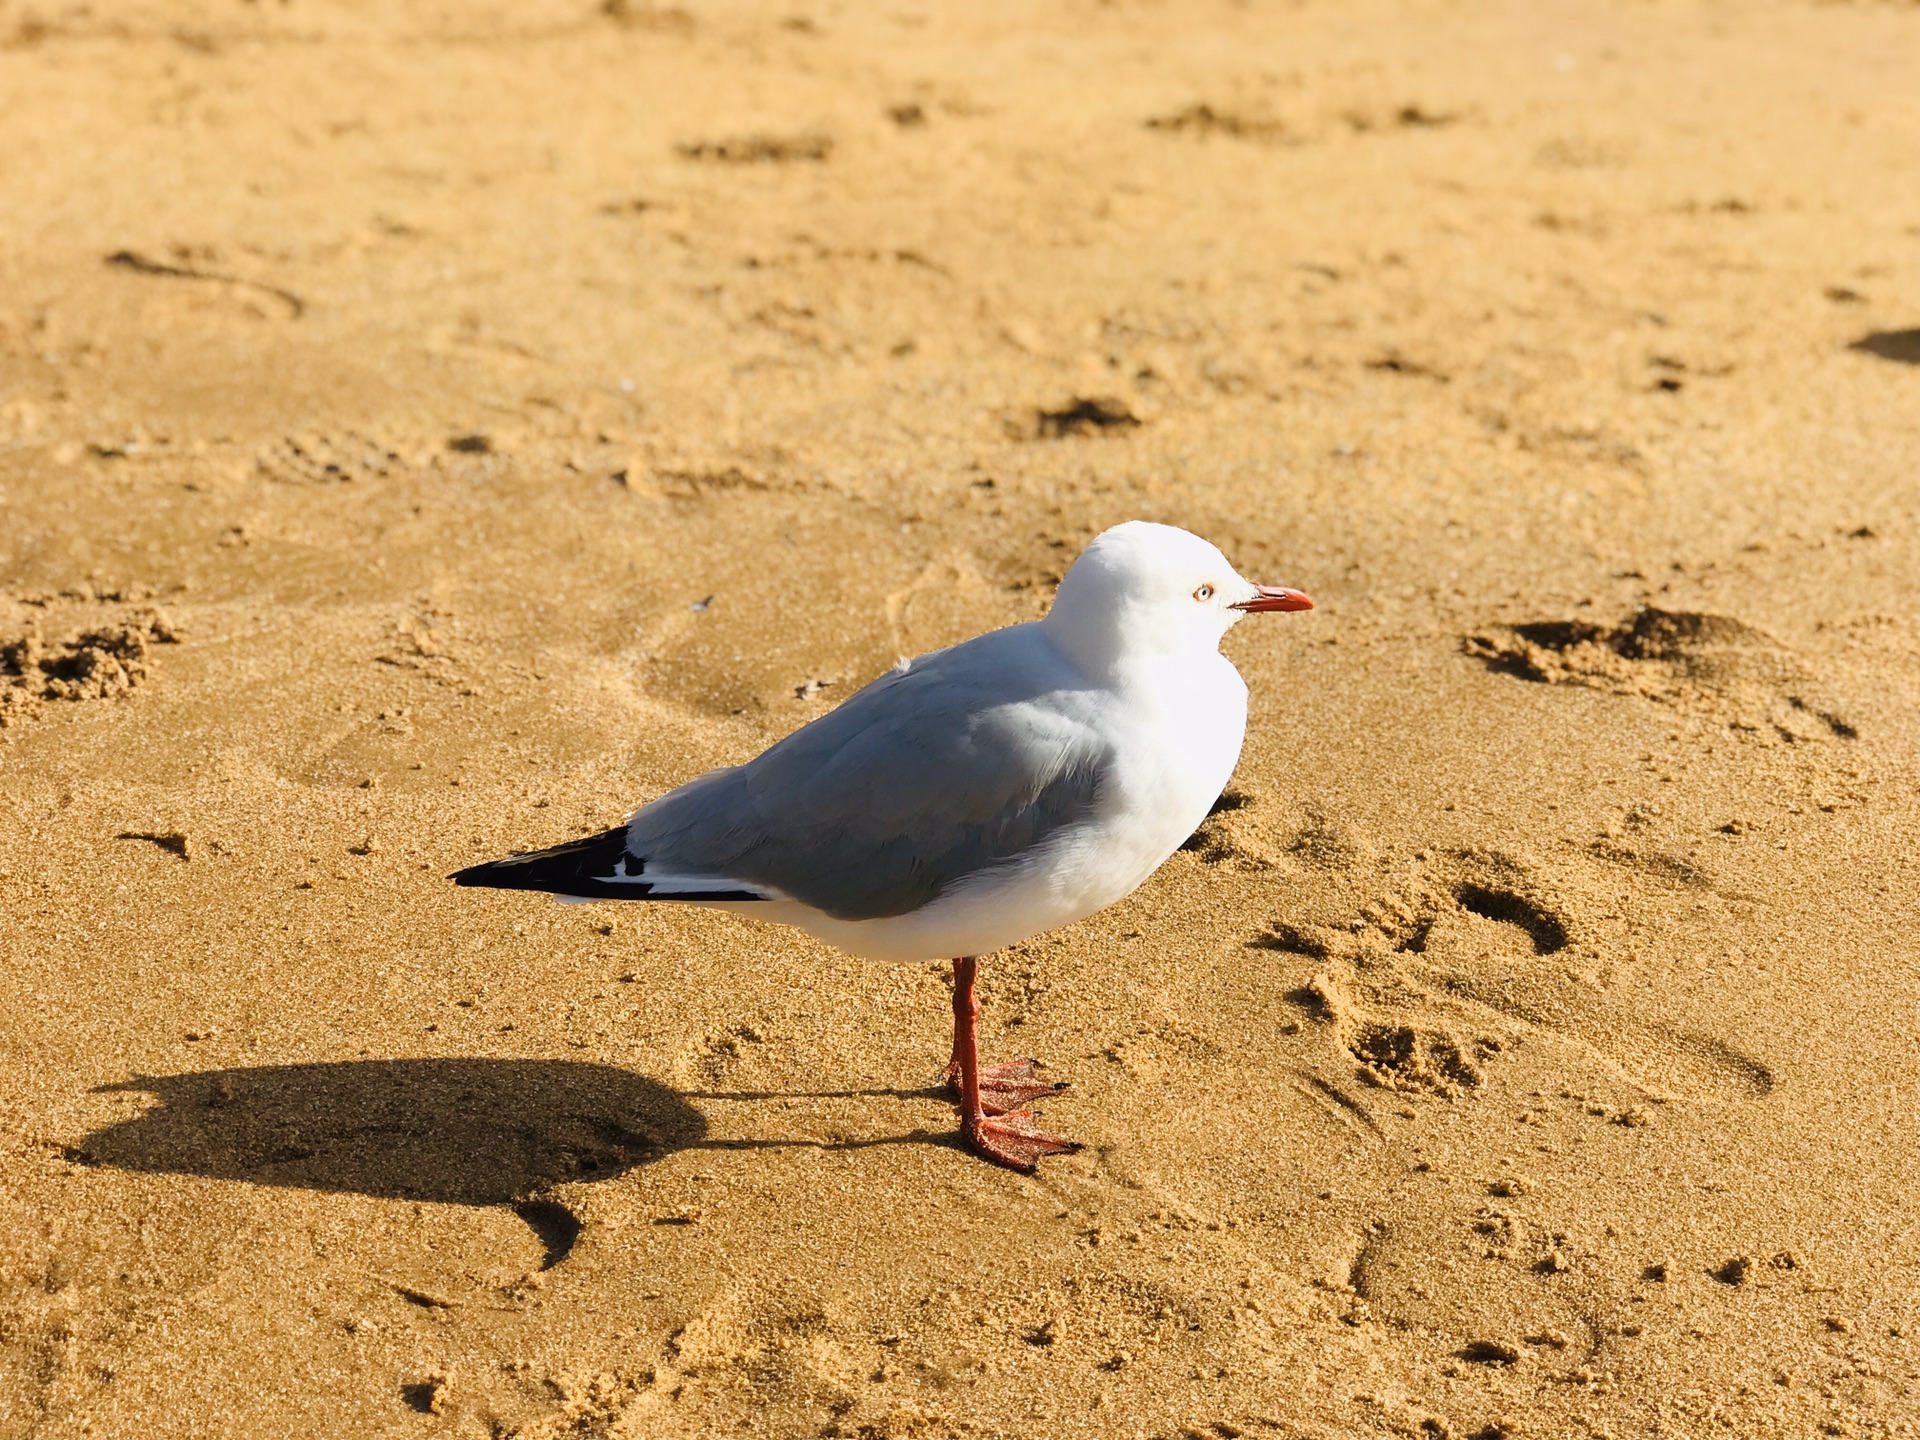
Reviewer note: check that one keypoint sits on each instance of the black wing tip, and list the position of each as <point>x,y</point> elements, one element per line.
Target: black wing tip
<point>574,868</point>
<point>486,875</point>
<point>580,869</point>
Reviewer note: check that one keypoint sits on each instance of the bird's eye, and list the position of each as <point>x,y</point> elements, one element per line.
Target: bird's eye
<point>1204,593</point>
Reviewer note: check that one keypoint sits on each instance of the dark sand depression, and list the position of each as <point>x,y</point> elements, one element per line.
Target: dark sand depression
<point>428,430</point>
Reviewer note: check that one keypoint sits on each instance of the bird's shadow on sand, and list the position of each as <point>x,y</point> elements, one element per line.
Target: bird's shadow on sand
<point>1899,345</point>
<point>460,1131</point>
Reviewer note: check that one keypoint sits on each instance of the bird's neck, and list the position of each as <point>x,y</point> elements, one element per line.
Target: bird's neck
<point>1107,653</point>
<point>1092,642</point>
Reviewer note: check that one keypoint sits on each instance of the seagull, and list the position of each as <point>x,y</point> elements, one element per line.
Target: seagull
<point>968,799</point>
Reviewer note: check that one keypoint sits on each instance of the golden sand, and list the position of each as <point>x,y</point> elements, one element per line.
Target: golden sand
<point>432,429</point>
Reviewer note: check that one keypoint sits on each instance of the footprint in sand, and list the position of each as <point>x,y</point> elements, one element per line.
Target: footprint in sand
<point>327,460</point>
<point>1245,833</point>
<point>1387,1028</point>
<point>1413,993</point>
<point>1463,953</point>
<point>949,600</point>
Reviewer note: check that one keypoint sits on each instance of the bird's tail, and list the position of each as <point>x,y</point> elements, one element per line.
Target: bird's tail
<point>597,867</point>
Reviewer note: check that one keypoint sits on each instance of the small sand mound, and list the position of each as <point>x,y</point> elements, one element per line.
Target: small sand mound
<point>1691,660</point>
<point>98,664</point>
<point>1659,654</point>
<point>1085,415</point>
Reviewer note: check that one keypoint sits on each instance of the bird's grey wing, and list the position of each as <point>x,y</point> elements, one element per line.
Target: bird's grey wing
<point>961,764</point>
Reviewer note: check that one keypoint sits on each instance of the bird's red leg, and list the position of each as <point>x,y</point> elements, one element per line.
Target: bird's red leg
<point>993,1128</point>
<point>1003,1087</point>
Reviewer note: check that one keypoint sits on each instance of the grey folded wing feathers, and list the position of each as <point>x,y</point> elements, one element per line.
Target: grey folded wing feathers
<point>972,758</point>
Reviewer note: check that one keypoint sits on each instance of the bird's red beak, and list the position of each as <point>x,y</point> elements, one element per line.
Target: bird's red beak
<point>1274,597</point>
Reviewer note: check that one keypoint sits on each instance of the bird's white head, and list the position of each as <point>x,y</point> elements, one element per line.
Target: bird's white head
<point>1142,589</point>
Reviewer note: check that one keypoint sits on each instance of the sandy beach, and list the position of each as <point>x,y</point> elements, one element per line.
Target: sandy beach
<point>430,430</point>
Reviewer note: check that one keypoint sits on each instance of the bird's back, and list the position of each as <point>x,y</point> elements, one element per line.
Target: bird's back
<point>959,761</point>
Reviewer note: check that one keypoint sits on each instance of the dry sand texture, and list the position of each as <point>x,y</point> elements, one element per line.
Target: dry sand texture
<point>426,429</point>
